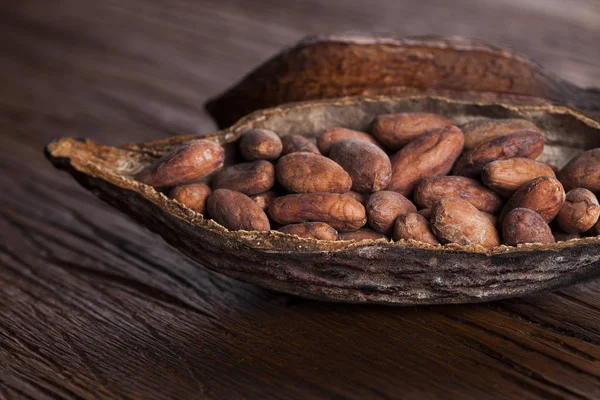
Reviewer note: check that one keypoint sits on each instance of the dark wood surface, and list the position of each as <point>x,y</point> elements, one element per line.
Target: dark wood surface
<point>93,306</point>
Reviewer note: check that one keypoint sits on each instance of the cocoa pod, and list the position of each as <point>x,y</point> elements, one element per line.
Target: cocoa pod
<point>265,198</point>
<point>506,176</point>
<point>524,143</point>
<point>431,154</point>
<point>582,171</point>
<point>414,226</point>
<point>260,144</point>
<point>482,130</point>
<point>248,178</point>
<point>458,221</point>
<point>362,234</point>
<point>431,190</point>
<point>384,207</point>
<point>340,211</point>
<point>522,225</point>
<point>184,164</point>
<point>544,195</point>
<point>297,144</point>
<point>236,211</point>
<point>394,131</point>
<point>327,139</point>
<point>308,173</point>
<point>368,166</point>
<point>579,212</point>
<point>192,195</point>
<point>314,230</point>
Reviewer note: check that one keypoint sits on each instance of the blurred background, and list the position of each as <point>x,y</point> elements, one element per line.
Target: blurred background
<point>124,70</point>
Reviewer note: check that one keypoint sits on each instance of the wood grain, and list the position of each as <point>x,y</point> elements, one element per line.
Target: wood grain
<point>93,306</point>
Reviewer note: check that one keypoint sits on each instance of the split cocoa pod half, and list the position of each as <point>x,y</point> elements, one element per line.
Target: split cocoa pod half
<point>288,243</point>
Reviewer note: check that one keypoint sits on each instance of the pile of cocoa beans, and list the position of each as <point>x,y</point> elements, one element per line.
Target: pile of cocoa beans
<point>416,176</point>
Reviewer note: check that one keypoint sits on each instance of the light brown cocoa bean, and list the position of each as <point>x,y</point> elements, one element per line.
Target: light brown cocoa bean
<point>327,139</point>
<point>482,130</point>
<point>384,207</point>
<point>394,131</point>
<point>524,143</point>
<point>506,176</point>
<point>368,165</point>
<point>431,190</point>
<point>314,230</point>
<point>414,226</point>
<point>297,144</point>
<point>579,212</point>
<point>522,225</point>
<point>544,195</point>
<point>308,173</point>
<point>236,211</point>
<point>582,171</point>
<point>260,144</point>
<point>362,234</point>
<point>265,198</point>
<point>458,221</point>
<point>431,154</point>
<point>340,211</point>
<point>248,178</point>
<point>192,195</point>
<point>426,212</point>
<point>184,164</point>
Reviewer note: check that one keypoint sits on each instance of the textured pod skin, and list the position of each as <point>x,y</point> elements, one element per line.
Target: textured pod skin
<point>362,234</point>
<point>522,225</point>
<point>506,176</point>
<point>185,163</point>
<point>260,144</point>
<point>248,178</point>
<point>368,165</point>
<point>582,171</point>
<point>384,207</point>
<point>314,230</point>
<point>236,211</point>
<point>340,211</point>
<point>580,211</point>
<point>482,130</point>
<point>394,131</point>
<point>327,139</point>
<point>431,190</point>
<point>458,221</point>
<point>525,143</point>
<point>192,195</point>
<point>544,195</point>
<point>296,144</point>
<point>309,173</point>
<point>431,154</point>
<point>265,198</point>
<point>414,226</point>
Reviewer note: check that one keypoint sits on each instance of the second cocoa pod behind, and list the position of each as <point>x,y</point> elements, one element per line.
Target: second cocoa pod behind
<point>431,154</point>
<point>307,173</point>
<point>580,211</point>
<point>368,165</point>
<point>395,131</point>
<point>384,207</point>
<point>431,190</point>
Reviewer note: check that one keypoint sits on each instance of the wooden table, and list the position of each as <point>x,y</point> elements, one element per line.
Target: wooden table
<point>94,306</point>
